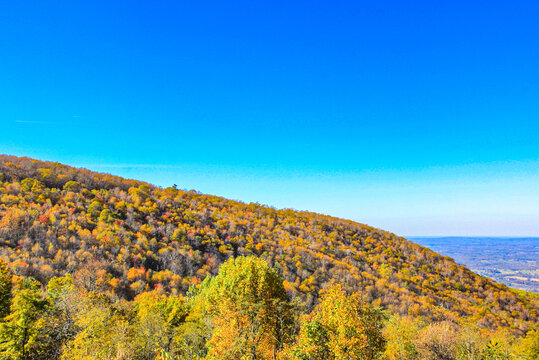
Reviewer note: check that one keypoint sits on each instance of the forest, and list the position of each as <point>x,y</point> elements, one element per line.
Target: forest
<point>95,266</point>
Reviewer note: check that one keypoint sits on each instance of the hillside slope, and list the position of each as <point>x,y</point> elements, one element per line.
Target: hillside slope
<point>123,237</point>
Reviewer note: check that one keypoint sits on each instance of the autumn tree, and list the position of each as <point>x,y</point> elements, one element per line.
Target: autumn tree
<point>156,321</point>
<point>400,333</point>
<point>528,348</point>
<point>341,327</point>
<point>104,333</point>
<point>438,341</point>
<point>65,300</point>
<point>250,309</point>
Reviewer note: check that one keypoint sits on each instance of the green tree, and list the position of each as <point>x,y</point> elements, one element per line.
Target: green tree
<point>400,333</point>
<point>156,322</point>
<point>250,309</point>
<point>5,289</point>
<point>341,327</point>
<point>21,329</point>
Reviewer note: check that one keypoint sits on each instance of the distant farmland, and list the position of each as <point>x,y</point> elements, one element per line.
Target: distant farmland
<point>510,261</point>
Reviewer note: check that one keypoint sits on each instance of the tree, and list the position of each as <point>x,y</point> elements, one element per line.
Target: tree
<point>341,327</point>
<point>438,341</point>
<point>103,332</point>
<point>59,321</point>
<point>250,309</point>
<point>19,332</point>
<point>5,289</point>
<point>529,345</point>
<point>156,322</point>
<point>72,186</point>
<point>400,333</point>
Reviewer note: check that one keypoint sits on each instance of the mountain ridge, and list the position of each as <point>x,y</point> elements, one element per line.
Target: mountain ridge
<point>123,237</point>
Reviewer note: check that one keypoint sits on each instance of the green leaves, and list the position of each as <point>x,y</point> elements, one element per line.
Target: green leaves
<point>22,327</point>
<point>341,327</point>
<point>250,310</point>
<point>5,289</point>
<point>103,332</point>
<point>156,323</point>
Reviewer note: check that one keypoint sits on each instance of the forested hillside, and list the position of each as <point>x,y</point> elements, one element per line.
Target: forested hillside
<point>123,238</point>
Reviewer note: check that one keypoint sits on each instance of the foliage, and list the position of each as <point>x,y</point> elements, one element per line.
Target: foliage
<point>5,289</point>
<point>242,313</point>
<point>400,333</point>
<point>157,319</point>
<point>528,348</point>
<point>21,328</point>
<point>104,333</point>
<point>251,314</point>
<point>126,270</point>
<point>341,327</point>
<point>124,237</point>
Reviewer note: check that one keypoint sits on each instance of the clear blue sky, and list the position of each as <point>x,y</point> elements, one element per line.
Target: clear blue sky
<point>419,117</point>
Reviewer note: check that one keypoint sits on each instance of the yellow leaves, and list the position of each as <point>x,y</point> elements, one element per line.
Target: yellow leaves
<point>202,273</point>
<point>12,220</point>
<point>104,334</point>
<point>145,229</point>
<point>138,287</point>
<point>124,223</point>
<point>247,300</point>
<point>121,205</point>
<point>9,199</point>
<point>341,327</point>
<point>385,271</point>
<point>45,174</point>
<point>401,332</point>
<point>32,185</point>
<point>224,249</point>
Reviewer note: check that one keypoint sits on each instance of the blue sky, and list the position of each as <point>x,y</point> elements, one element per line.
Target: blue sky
<point>418,117</point>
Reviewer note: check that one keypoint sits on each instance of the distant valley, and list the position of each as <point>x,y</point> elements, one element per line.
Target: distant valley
<point>510,261</point>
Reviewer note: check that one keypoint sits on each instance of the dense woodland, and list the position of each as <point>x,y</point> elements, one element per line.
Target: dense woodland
<point>100,267</point>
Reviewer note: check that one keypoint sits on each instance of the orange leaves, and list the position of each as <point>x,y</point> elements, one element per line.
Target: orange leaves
<point>90,217</point>
<point>136,274</point>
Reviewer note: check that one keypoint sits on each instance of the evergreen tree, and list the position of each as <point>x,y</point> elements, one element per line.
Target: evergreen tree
<point>22,327</point>
<point>5,289</point>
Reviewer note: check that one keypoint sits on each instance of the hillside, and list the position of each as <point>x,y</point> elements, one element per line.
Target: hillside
<point>123,237</point>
